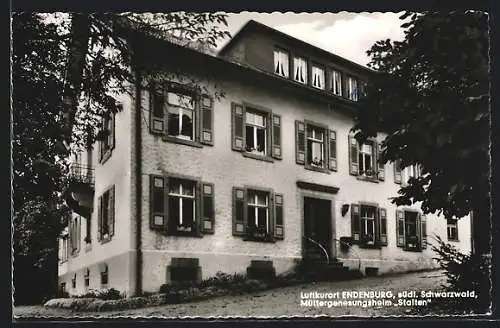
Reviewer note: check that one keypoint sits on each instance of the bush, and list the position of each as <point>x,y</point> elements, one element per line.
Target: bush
<point>106,294</point>
<point>464,272</point>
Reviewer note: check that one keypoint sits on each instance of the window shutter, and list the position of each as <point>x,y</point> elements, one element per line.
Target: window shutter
<point>279,231</point>
<point>400,228</point>
<point>157,115</point>
<point>332,151</point>
<point>300,142</point>
<point>158,186</point>
<point>237,126</point>
<point>397,171</point>
<point>276,136</point>
<point>78,233</point>
<point>99,219</point>
<point>382,216</point>
<point>207,208</point>
<point>239,211</point>
<point>101,143</point>
<point>381,166</point>
<point>424,231</point>
<point>111,211</point>
<point>207,120</point>
<point>111,135</point>
<point>419,229</point>
<point>355,223</point>
<point>353,156</point>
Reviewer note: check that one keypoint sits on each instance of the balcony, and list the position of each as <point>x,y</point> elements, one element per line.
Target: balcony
<point>80,192</point>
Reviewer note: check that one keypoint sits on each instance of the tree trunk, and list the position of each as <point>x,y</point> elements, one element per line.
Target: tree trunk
<point>77,51</point>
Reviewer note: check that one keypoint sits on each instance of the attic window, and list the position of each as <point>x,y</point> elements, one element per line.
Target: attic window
<point>281,63</point>
<point>318,77</point>
<point>300,70</point>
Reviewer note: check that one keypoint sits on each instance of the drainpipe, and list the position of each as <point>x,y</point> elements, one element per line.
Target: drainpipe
<point>138,176</point>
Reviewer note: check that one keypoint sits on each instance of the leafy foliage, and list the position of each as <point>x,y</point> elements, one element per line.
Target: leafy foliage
<point>465,273</point>
<point>431,98</point>
<point>105,294</point>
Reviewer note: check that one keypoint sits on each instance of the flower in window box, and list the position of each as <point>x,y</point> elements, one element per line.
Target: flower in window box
<point>368,239</point>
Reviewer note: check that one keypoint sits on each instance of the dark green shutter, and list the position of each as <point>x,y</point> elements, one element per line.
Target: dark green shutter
<point>424,232</point>
<point>381,166</point>
<point>239,211</point>
<point>397,171</point>
<point>400,228</point>
<point>157,219</point>
<point>279,224</point>
<point>382,224</point>
<point>355,223</point>
<point>207,208</point>
<point>332,151</point>
<point>353,156</point>
<point>111,135</point>
<point>300,142</point>
<point>238,135</point>
<point>99,219</point>
<point>276,136</point>
<point>101,142</point>
<point>111,211</point>
<point>207,120</point>
<point>157,114</point>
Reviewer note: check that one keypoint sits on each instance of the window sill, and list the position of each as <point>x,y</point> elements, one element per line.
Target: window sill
<point>182,141</point>
<point>366,246</point>
<point>105,240</point>
<point>105,156</point>
<point>258,157</point>
<point>184,234</point>
<point>316,169</point>
<point>406,249</point>
<point>454,240</point>
<point>259,239</point>
<point>370,179</point>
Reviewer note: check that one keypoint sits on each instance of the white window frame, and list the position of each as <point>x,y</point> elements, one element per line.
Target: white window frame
<point>364,223</point>
<point>318,74</point>
<point>315,140</point>
<point>281,58</point>
<point>300,63</point>
<point>419,238</point>
<point>181,109</point>
<point>336,83</point>
<point>182,195</point>
<point>452,226</point>
<point>352,88</point>
<point>362,161</point>
<point>255,127</point>
<point>253,202</point>
<point>410,171</point>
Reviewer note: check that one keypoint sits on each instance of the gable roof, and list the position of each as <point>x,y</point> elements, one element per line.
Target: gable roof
<point>253,25</point>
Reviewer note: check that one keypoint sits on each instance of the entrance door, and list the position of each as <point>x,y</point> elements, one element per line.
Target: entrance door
<point>317,229</point>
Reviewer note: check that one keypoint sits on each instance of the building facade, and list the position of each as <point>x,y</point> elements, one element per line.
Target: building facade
<point>186,183</point>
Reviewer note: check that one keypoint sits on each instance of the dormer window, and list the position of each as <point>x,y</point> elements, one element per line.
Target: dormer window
<point>318,77</point>
<point>281,63</point>
<point>336,83</point>
<point>352,88</point>
<point>300,70</point>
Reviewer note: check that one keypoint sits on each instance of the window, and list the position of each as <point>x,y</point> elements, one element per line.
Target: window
<point>318,77</point>
<point>281,64</point>
<point>88,230</point>
<point>352,88</point>
<point>64,245</point>
<point>316,146</point>
<point>452,229</point>
<point>74,235</point>
<point>368,225</point>
<point>86,278</point>
<point>409,172</point>
<point>175,110</point>
<point>104,275</point>
<point>411,230</point>
<point>256,131</point>
<point>182,205</point>
<point>336,83</point>
<point>106,215</point>
<point>107,137</point>
<point>180,115</point>
<point>73,281</point>
<point>364,160</point>
<point>300,70</point>
<point>257,214</point>
<point>187,209</point>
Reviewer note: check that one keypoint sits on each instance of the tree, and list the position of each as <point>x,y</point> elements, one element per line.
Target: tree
<point>431,98</point>
<point>67,70</point>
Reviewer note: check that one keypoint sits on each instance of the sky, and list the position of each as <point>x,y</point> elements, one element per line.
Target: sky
<point>346,34</point>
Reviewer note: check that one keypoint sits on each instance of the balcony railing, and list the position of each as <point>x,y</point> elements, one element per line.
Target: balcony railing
<point>81,174</point>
